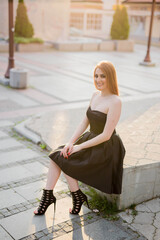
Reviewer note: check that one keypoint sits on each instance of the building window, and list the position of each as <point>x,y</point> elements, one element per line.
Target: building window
<point>94,21</point>
<point>76,20</point>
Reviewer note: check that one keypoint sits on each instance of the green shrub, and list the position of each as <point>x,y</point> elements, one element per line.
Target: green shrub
<point>120,24</point>
<point>23,27</point>
<point>27,40</point>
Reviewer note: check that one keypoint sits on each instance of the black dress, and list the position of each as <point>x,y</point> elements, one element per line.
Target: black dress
<point>100,166</point>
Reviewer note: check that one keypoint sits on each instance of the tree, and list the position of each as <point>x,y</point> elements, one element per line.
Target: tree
<point>23,27</point>
<point>120,24</point>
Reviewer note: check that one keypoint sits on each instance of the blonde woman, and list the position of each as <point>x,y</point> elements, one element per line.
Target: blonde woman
<point>94,157</point>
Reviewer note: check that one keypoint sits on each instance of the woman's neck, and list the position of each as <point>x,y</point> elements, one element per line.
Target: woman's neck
<point>105,93</point>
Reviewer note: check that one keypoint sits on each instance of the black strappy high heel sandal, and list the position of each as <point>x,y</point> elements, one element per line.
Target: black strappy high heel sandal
<point>78,198</point>
<point>47,199</point>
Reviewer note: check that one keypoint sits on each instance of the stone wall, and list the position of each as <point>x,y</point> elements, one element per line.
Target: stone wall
<point>50,18</point>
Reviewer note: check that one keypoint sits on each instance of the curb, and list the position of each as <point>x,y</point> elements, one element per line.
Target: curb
<point>22,130</point>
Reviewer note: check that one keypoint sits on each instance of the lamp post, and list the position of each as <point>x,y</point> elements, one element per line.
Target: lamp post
<point>11,39</point>
<point>147,59</point>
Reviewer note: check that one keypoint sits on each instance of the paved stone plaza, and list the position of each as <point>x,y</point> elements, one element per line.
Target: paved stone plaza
<point>61,82</point>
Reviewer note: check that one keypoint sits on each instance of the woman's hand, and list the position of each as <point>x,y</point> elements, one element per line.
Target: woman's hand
<point>75,148</point>
<point>66,150</point>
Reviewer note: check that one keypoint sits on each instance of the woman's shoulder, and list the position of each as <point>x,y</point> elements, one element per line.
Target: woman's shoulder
<point>94,95</point>
<point>116,100</point>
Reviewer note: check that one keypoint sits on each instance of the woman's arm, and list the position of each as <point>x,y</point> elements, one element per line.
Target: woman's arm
<point>112,120</point>
<point>80,129</point>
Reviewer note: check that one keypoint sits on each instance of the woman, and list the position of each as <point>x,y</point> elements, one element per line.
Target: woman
<point>96,156</point>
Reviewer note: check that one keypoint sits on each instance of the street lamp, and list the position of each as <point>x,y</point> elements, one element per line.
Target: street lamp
<point>147,58</point>
<point>11,39</point>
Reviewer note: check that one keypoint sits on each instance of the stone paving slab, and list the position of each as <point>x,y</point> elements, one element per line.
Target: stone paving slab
<point>147,230</point>
<point>36,168</point>
<point>13,174</point>
<point>147,219</point>
<point>39,96</point>
<point>3,135</point>
<point>72,89</point>
<point>9,198</point>
<point>18,172</point>
<point>17,155</point>
<point>4,235</point>
<point>6,123</point>
<point>99,230</point>
<point>9,143</point>
<point>34,190</point>
<point>37,223</point>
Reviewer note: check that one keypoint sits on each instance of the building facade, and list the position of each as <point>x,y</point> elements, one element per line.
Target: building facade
<point>139,12</point>
<point>94,18</point>
<point>50,18</point>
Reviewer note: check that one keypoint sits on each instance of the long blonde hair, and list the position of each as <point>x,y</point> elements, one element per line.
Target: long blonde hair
<point>109,70</point>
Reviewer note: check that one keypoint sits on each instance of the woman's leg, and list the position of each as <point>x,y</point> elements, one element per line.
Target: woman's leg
<point>53,175</point>
<point>73,183</point>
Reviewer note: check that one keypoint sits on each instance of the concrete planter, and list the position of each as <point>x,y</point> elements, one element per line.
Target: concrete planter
<point>66,46</point>
<point>124,45</point>
<point>107,46</point>
<point>18,78</point>
<point>90,46</point>
<point>29,47</point>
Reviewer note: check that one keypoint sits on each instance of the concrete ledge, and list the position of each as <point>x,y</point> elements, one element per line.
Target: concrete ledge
<point>141,175</point>
<point>124,45</point>
<point>22,130</point>
<point>68,46</point>
<point>107,46</point>
<point>29,47</point>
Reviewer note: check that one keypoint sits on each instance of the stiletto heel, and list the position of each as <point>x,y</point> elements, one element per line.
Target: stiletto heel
<point>55,206</point>
<point>47,199</point>
<point>87,203</point>
<point>78,198</point>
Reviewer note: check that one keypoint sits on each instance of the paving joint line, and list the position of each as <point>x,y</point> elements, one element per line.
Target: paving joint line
<point>24,162</point>
<point>64,227</point>
<point>24,206</point>
<point>23,181</point>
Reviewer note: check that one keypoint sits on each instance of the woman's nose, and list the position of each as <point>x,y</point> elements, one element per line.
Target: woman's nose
<point>98,79</point>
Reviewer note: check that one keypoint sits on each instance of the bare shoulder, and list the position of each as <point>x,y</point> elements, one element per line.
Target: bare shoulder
<point>116,101</point>
<point>94,95</point>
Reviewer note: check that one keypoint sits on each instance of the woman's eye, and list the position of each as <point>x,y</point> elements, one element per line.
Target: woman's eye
<point>96,76</point>
<point>103,76</point>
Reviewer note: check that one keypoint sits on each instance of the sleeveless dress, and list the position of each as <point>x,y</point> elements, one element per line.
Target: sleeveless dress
<point>100,166</point>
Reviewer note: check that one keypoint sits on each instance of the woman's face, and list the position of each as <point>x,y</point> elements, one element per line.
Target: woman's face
<point>100,80</point>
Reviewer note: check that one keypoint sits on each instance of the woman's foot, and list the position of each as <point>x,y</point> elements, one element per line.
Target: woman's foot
<point>47,199</point>
<point>78,198</point>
